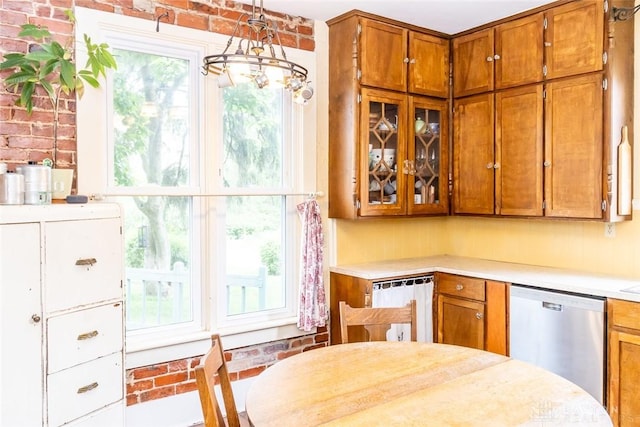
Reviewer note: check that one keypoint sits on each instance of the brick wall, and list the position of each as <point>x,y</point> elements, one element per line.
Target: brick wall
<point>30,138</point>
<point>167,379</point>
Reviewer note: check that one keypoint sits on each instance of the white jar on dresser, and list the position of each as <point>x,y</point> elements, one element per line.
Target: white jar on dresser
<point>61,315</point>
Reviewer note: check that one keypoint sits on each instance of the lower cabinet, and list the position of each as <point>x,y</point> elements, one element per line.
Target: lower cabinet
<point>62,311</point>
<point>624,362</point>
<point>472,312</point>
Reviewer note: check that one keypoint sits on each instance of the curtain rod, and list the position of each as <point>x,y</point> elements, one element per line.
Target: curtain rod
<point>102,196</point>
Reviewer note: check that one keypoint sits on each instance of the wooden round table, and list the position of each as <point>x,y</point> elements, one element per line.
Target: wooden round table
<point>415,384</point>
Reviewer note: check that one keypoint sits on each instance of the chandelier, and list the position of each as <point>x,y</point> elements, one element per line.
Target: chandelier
<point>256,58</point>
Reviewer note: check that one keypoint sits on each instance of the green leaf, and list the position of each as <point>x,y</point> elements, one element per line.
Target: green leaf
<point>88,77</point>
<point>49,89</point>
<point>67,74</point>
<point>12,60</point>
<point>40,56</point>
<point>35,32</point>
<point>26,99</point>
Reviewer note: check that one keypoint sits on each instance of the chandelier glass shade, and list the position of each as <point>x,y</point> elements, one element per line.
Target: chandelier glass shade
<point>258,57</point>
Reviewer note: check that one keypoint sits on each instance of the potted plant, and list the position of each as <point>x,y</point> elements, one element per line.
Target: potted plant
<point>50,65</point>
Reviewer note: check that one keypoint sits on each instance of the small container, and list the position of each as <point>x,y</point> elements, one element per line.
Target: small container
<point>37,183</point>
<point>11,188</point>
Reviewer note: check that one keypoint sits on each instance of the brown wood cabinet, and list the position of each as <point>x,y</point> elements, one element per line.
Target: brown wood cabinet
<point>357,292</point>
<point>472,312</point>
<point>506,55</point>
<point>623,395</point>
<point>574,147</point>
<point>381,162</point>
<point>574,38</point>
<point>504,162</point>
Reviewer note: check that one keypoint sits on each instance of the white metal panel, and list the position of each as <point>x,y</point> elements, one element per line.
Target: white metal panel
<point>84,388</point>
<point>83,263</point>
<point>84,335</point>
<point>21,369</point>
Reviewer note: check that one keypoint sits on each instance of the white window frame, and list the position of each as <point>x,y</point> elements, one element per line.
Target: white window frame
<point>92,135</point>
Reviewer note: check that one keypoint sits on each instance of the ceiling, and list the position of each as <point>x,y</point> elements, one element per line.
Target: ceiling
<point>446,16</point>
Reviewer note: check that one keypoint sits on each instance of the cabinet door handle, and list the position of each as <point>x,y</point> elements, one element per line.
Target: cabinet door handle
<point>496,165</point>
<point>496,56</point>
<point>459,287</point>
<point>547,44</point>
<point>490,165</point>
<point>547,163</point>
<point>87,388</point>
<point>36,318</point>
<point>412,61</point>
<point>87,335</point>
<point>406,60</point>
<point>489,58</point>
<point>86,261</point>
<point>479,316</point>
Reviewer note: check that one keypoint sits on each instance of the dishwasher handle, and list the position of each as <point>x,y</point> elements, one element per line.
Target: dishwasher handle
<point>551,306</point>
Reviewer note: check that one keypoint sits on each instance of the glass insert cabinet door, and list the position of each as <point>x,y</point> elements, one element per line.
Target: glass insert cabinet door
<point>383,153</point>
<point>428,185</point>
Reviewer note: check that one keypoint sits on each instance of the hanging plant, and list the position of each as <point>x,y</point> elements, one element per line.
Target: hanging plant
<point>50,65</point>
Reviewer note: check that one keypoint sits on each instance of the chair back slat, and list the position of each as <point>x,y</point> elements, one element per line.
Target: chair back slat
<point>212,370</point>
<point>377,321</point>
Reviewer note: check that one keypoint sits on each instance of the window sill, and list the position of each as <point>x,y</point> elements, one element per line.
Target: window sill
<point>145,351</point>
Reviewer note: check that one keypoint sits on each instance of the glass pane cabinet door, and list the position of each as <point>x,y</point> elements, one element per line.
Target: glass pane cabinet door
<point>428,151</point>
<point>383,151</point>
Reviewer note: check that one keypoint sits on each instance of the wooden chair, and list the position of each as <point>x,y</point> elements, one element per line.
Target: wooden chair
<point>213,365</point>
<point>377,321</point>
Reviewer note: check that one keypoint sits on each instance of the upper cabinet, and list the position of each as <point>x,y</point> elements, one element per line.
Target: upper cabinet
<point>506,55</point>
<point>573,39</point>
<point>396,58</point>
<point>388,119</point>
<point>539,107</point>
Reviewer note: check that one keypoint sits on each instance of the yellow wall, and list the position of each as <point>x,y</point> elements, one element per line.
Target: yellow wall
<point>568,244</point>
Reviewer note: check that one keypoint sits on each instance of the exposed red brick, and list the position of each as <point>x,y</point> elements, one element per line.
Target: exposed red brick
<point>139,386</point>
<point>157,393</point>
<point>9,17</point>
<point>178,365</point>
<point>19,128</point>
<point>181,4</point>
<point>304,30</point>
<point>290,353</point>
<point>186,387</point>
<point>132,399</point>
<point>150,371</point>
<point>193,21</point>
<point>322,338</point>
<point>139,14</point>
<point>313,347</point>
<point>173,378</point>
<point>252,372</point>
<point>205,8</point>
<point>19,5</point>
<point>92,4</point>
<point>307,44</point>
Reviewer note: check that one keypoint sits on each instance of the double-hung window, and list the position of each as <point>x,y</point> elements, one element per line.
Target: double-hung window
<point>208,178</point>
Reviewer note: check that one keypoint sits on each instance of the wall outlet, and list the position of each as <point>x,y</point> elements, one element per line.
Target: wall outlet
<point>609,229</point>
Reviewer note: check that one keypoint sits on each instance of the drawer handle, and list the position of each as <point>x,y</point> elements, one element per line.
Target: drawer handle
<point>87,335</point>
<point>87,388</point>
<point>86,261</point>
<point>459,287</point>
<point>479,316</point>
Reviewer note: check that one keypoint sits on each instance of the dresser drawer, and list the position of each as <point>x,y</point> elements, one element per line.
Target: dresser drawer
<point>83,336</point>
<point>84,388</point>
<point>461,286</point>
<point>111,416</point>
<point>83,263</point>
<point>625,314</point>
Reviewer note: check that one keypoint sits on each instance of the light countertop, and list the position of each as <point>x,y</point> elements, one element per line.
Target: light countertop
<point>551,278</point>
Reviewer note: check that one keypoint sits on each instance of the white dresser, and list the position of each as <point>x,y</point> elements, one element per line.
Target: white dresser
<point>61,315</point>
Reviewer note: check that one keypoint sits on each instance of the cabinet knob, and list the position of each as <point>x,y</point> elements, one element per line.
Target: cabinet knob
<point>479,316</point>
<point>406,60</point>
<point>412,61</point>
<point>547,44</point>
<point>547,163</point>
<point>36,318</point>
<point>490,165</point>
<point>459,287</point>
<point>496,165</point>
<point>489,58</point>
<point>496,56</point>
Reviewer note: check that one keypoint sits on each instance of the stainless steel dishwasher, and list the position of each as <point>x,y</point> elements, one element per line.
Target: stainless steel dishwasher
<point>562,333</point>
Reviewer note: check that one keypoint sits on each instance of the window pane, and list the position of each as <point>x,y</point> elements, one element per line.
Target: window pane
<point>252,147</point>
<point>151,120</point>
<point>158,269</point>
<point>255,278</point>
